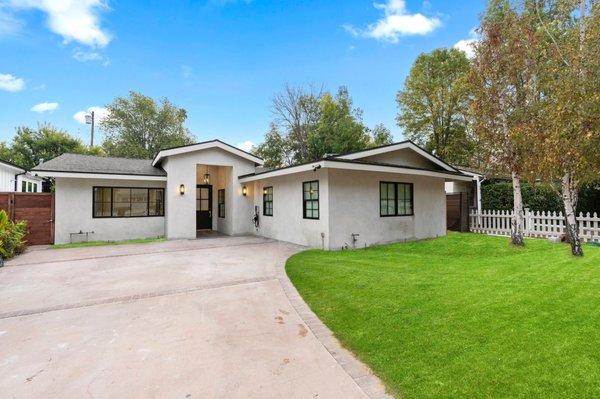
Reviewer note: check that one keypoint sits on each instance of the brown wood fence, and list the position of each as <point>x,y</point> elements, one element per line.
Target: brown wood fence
<point>457,212</point>
<point>37,209</point>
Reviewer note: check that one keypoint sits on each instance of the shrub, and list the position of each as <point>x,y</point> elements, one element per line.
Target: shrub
<point>537,197</point>
<point>12,236</point>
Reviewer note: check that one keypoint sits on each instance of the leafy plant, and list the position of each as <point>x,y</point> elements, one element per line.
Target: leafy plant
<point>12,236</point>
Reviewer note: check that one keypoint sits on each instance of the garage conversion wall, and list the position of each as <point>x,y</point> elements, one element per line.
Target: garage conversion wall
<point>74,212</point>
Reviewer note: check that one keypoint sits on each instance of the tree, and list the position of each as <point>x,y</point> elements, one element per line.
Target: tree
<point>138,127</point>
<point>311,123</point>
<point>506,95</point>
<point>434,105</point>
<point>381,135</point>
<point>32,146</point>
<point>567,145</point>
<point>339,128</point>
<point>274,150</point>
<point>296,111</point>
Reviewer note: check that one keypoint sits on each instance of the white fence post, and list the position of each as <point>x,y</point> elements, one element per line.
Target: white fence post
<point>537,224</point>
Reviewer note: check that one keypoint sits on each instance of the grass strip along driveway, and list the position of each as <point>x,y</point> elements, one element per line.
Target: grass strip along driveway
<point>464,315</point>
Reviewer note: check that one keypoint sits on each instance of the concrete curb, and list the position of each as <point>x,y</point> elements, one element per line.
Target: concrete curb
<point>362,375</point>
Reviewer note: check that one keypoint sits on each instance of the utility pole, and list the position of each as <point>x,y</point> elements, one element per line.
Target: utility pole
<point>89,119</point>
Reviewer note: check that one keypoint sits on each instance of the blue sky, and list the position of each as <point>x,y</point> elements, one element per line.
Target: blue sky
<point>222,60</point>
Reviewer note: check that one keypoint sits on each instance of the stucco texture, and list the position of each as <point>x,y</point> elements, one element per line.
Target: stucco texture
<point>73,212</point>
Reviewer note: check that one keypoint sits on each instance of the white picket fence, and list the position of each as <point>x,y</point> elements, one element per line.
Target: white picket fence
<point>537,224</point>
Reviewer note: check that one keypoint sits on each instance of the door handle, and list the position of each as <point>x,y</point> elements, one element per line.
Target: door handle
<point>210,213</point>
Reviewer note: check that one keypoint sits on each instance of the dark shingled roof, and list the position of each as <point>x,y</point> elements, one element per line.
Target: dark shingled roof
<point>76,163</point>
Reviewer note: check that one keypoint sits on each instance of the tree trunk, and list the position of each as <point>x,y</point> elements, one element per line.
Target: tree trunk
<point>516,231</point>
<point>569,197</point>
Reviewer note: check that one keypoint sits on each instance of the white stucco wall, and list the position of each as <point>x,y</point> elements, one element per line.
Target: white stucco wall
<point>287,222</point>
<point>73,212</point>
<point>181,209</point>
<point>354,208</point>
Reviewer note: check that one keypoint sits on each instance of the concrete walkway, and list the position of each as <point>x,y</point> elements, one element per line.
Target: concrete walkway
<point>177,319</point>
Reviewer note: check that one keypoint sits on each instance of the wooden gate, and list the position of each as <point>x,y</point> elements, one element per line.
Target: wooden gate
<point>37,209</point>
<point>457,212</point>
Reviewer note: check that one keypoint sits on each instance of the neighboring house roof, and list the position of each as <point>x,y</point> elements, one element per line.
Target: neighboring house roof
<point>350,164</point>
<point>395,147</point>
<point>66,164</point>
<point>203,146</point>
<point>12,166</point>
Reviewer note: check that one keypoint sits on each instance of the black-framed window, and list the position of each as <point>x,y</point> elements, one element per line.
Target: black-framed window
<point>268,201</point>
<point>395,199</point>
<point>221,202</point>
<point>23,186</point>
<point>123,202</point>
<point>310,199</point>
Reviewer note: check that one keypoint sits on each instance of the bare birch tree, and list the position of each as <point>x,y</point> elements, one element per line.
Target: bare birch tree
<point>505,95</point>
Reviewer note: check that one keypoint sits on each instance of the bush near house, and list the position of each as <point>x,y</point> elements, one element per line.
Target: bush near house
<point>12,236</point>
<point>537,197</point>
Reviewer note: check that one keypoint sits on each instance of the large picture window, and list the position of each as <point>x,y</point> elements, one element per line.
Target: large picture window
<point>268,201</point>
<point>221,202</point>
<point>310,199</point>
<point>122,202</point>
<point>395,199</point>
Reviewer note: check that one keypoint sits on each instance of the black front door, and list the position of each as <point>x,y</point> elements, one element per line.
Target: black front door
<point>203,207</point>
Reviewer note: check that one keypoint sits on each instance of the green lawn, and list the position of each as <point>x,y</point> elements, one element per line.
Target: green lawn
<point>102,243</point>
<point>464,315</point>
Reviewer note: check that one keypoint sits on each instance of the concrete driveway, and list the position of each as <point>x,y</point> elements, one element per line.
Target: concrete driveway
<point>178,319</point>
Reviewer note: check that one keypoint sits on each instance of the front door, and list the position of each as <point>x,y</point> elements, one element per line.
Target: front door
<point>203,207</point>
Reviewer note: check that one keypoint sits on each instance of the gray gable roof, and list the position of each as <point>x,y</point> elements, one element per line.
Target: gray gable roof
<point>76,163</point>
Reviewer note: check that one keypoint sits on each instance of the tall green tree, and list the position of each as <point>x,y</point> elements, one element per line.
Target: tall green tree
<point>434,105</point>
<point>274,150</point>
<point>138,127</point>
<point>310,123</point>
<point>381,135</point>
<point>339,128</point>
<point>30,146</point>
<point>506,95</point>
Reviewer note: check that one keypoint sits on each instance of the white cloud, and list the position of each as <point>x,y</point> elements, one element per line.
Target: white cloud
<point>44,107</point>
<point>467,45</point>
<point>99,114</point>
<point>74,20</point>
<point>396,22</point>
<point>246,146</point>
<point>11,83</point>
<point>87,56</point>
<point>8,23</point>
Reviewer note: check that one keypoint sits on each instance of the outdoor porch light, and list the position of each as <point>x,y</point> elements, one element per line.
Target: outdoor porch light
<point>244,191</point>
<point>182,189</point>
<point>207,176</point>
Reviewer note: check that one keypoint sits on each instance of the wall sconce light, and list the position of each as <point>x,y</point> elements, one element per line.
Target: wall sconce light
<point>244,191</point>
<point>182,189</point>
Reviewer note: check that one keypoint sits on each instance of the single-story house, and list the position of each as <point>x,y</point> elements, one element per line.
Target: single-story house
<point>384,194</point>
<point>14,178</point>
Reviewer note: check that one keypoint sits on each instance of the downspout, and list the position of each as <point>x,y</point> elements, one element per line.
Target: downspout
<point>479,181</point>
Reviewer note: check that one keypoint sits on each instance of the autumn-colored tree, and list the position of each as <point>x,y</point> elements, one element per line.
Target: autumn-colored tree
<point>505,94</point>
<point>567,142</point>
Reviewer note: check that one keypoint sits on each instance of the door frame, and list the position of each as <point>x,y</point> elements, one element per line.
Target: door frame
<point>210,204</point>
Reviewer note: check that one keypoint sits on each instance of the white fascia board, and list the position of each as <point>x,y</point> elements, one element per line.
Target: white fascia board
<point>283,172</point>
<point>73,175</point>
<point>396,147</point>
<point>394,169</point>
<point>474,175</point>
<point>353,166</point>
<point>203,146</point>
